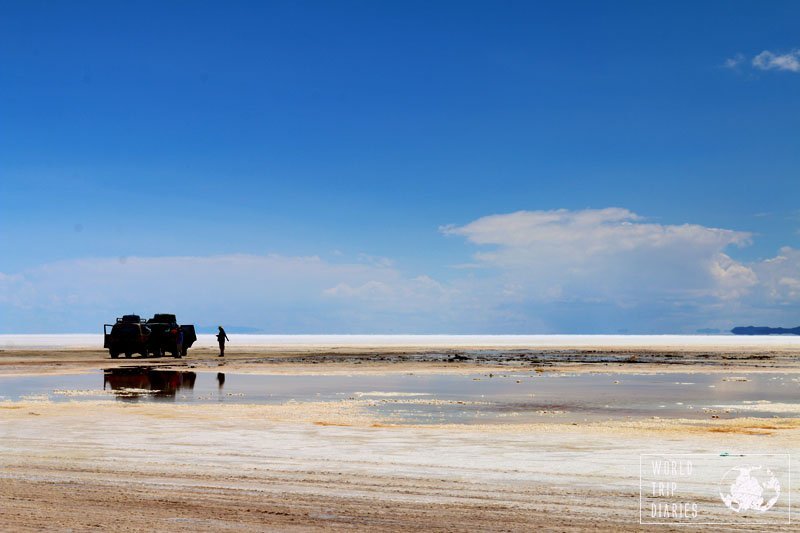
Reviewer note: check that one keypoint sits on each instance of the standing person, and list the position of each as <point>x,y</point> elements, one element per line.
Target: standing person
<point>221,338</point>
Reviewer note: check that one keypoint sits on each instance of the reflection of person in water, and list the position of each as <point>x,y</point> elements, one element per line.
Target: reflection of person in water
<point>221,379</point>
<point>221,338</point>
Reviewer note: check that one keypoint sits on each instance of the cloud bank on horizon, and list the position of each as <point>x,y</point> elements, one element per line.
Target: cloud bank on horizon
<point>560,271</point>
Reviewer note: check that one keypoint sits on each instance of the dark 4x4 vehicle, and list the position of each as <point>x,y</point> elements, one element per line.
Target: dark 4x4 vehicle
<point>128,335</point>
<point>167,336</point>
<point>157,336</point>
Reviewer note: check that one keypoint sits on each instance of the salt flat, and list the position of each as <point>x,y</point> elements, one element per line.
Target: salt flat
<point>307,461</point>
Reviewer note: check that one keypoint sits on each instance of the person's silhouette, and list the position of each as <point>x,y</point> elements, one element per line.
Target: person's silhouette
<point>221,338</point>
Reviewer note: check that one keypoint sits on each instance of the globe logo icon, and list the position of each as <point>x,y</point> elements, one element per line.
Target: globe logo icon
<point>749,488</point>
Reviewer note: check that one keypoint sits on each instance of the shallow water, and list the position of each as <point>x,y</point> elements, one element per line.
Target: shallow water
<point>512,397</point>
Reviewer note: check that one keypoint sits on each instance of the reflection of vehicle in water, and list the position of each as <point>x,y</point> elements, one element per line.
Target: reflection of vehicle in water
<point>128,335</point>
<point>135,381</point>
<point>159,335</point>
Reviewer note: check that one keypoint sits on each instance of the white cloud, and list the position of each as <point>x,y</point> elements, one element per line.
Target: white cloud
<point>780,277</point>
<point>593,270</point>
<point>767,60</point>
<point>731,279</point>
<point>584,240</point>
<point>734,62</point>
<point>421,294</point>
<point>612,266</point>
<point>589,231</point>
<point>609,257</point>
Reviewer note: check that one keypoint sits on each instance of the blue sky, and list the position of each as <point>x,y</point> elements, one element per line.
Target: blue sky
<point>228,146</point>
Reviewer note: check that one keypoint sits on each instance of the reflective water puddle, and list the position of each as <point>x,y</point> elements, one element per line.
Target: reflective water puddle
<point>441,398</point>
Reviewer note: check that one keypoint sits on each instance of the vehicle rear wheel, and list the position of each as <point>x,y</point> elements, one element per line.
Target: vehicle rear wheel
<point>128,354</point>
<point>114,355</point>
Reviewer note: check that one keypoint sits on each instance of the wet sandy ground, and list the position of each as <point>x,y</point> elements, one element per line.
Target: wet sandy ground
<point>301,466</point>
<point>384,359</point>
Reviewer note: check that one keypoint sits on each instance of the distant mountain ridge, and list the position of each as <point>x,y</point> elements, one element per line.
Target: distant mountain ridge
<point>764,330</point>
